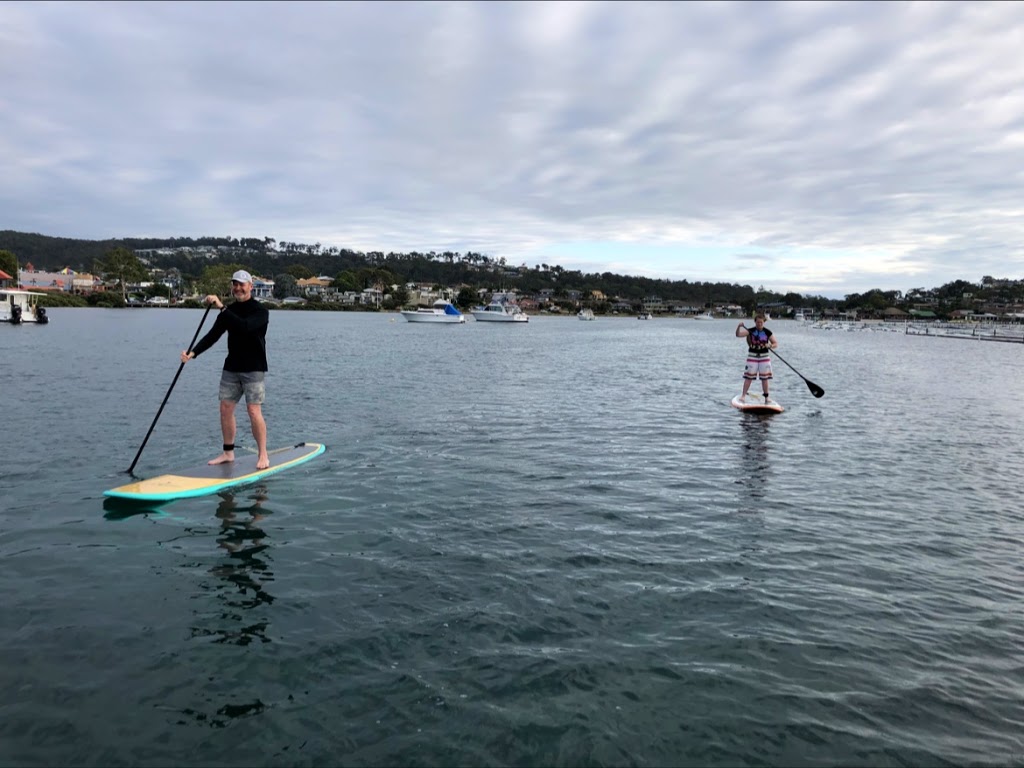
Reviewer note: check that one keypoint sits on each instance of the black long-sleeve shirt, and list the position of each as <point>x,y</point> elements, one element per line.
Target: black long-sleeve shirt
<point>246,325</point>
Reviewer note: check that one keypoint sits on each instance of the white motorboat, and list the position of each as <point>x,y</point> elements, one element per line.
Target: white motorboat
<point>585,314</point>
<point>500,312</point>
<point>17,306</point>
<point>645,316</point>
<point>440,312</point>
<point>705,316</point>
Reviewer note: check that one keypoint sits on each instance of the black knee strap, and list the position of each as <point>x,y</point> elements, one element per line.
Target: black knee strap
<point>229,446</point>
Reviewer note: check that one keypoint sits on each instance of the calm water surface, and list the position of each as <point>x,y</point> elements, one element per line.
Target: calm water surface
<point>542,544</point>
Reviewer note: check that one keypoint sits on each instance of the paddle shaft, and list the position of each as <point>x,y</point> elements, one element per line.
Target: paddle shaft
<point>169,390</point>
<point>815,389</point>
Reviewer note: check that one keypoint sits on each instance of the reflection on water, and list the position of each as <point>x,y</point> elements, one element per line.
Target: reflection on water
<point>755,467</point>
<point>245,572</point>
<point>115,508</point>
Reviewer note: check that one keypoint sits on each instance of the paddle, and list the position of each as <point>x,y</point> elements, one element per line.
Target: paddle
<point>815,389</point>
<point>161,410</point>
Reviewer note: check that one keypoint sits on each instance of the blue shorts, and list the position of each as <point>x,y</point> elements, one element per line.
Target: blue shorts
<point>232,385</point>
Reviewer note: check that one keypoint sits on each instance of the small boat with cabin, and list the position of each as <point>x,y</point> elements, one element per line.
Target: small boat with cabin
<point>17,307</point>
<point>500,312</point>
<point>440,311</point>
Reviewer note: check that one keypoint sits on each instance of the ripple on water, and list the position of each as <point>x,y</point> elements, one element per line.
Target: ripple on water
<point>574,553</point>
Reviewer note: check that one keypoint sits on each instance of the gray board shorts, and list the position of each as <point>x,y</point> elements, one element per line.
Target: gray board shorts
<point>252,384</point>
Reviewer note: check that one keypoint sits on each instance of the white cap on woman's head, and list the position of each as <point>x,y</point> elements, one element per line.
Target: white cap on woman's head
<point>241,276</point>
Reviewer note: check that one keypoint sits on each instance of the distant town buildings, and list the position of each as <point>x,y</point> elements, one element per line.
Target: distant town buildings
<point>993,300</point>
<point>66,281</point>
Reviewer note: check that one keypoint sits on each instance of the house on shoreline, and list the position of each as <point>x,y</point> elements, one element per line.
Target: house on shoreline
<point>64,281</point>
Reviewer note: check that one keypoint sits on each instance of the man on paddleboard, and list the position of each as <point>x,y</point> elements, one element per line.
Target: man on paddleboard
<point>245,367</point>
<point>759,361</point>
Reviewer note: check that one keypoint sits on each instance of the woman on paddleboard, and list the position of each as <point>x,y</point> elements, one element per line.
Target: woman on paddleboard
<point>759,362</point>
<point>245,367</point>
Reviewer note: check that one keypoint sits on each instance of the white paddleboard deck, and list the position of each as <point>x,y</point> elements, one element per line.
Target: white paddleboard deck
<point>210,478</point>
<point>754,403</point>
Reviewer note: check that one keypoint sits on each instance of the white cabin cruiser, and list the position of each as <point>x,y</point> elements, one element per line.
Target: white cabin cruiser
<point>440,312</point>
<point>499,312</point>
<point>17,306</point>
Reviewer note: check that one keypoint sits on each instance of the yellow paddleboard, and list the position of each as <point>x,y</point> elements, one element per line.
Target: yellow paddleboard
<point>206,478</point>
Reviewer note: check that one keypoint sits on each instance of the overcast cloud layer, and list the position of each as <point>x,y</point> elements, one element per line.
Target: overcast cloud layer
<point>819,147</point>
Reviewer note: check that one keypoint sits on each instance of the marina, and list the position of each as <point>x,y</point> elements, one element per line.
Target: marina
<point>1011,333</point>
<point>1002,332</point>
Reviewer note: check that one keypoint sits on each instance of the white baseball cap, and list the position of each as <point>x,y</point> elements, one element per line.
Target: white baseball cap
<point>241,276</point>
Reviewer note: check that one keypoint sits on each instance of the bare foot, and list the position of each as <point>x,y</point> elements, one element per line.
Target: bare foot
<point>225,458</point>
<point>263,461</point>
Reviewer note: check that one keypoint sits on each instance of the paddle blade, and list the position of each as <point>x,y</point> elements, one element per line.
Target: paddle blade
<point>815,389</point>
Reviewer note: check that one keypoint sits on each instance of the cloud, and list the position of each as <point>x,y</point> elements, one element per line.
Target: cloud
<point>849,145</point>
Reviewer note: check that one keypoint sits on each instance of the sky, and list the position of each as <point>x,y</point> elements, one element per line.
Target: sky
<point>823,148</point>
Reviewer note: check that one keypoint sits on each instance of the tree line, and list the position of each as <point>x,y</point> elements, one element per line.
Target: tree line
<point>352,270</point>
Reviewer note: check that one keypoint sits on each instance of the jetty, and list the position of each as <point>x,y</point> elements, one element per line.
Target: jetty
<point>1010,333</point>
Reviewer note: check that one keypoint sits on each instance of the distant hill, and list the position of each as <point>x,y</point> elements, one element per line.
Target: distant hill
<point>267,257</point>
<point>53,253</point>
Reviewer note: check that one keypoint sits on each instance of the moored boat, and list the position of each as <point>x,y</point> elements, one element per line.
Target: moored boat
<point>500,312</point>
<point>585,314</point>
<point>17,307</point>
<point>440,312</point>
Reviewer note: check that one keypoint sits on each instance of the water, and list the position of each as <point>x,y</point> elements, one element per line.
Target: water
<point>542,544</point>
